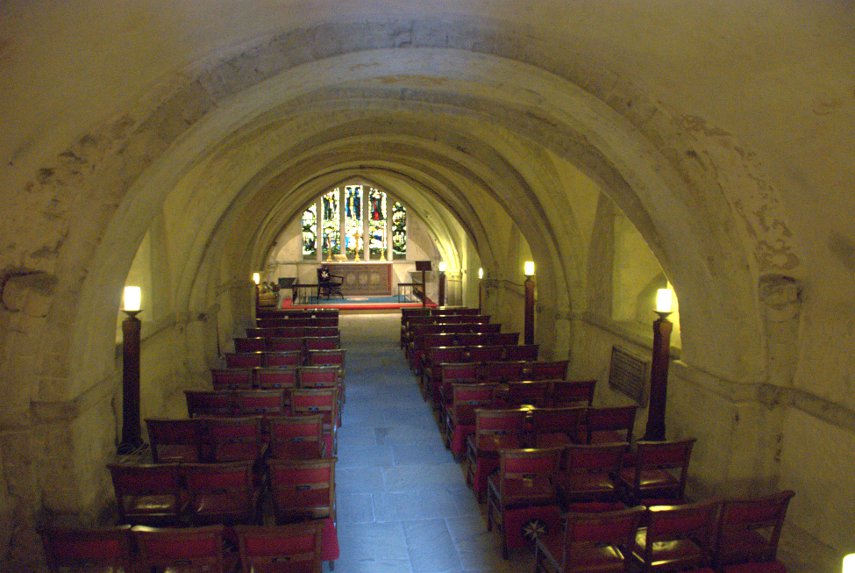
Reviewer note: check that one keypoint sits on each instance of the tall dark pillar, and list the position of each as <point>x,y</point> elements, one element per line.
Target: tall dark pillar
<point>131,432</point>
<point>662,327</point>
<point>529,311</point>
<point>442,288</point>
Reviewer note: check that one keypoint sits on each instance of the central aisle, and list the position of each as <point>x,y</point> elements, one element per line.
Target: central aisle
<point>403,503</point>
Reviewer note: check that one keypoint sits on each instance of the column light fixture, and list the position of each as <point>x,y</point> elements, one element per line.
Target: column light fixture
<point>131,327</point>
<point>480,278</point>
<point>655,430</point>
<point>528,326</point>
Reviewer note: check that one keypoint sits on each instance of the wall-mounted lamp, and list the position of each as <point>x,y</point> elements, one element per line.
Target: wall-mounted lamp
<point>528,269</point>
<point>849,563</point>
<point>256,278</point>
<point>662,327</point>
<point>442,266</point>
<point>480,278</point>
<point>528,323</point>
<point>131,327</point>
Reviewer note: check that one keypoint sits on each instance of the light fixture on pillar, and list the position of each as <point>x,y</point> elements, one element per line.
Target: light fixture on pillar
<point>480,278</point>
<point>662,327</point>
<point>131,432</point>
<point>849,563</point>
<point>442,266</point>
<point>528,329</point>
<point>256,278</point>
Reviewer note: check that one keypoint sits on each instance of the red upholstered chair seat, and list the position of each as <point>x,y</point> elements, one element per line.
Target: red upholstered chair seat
<point>683,551</point>
<point>593,557</point>
<point>597,484</point>
<point>650,479</point>
<point>524,491</point>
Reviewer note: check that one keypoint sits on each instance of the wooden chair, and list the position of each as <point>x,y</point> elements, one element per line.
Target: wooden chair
<point>502,371</point>
<point>78,549</point>
<point>588,476</point>
<point>676,537</point>
<point>524,352</point>
<point>254,344</point>
<point>451,373</point>
<point>554,370</point>
<point>244,359</point>
<point>321,343</point>
<point>310,377</point>
<point>526,478</point>
<point>174,441</point>
<point>609,425</point>
<point>528,393</point>
<point>233,439</point>
<point>297,437</point>
<point>276,378</point>
<point>748,534</point>
<point>598,542</point>
<point>232,378</point>
<point>495,430</point>
<point>284,344</point>
<point>460,414</point>
<point>324,402</point>
<point>329,285</point>
<point>570,392</point>
<point>435,358</point>
<point>149,494</point>
<point>291,548</point>
<point>484,353</point>
<point>263,403</point>
<point>283,358</point>
<point>556,427</point>
<point>193,549</point>
<point>659,474</point>
<point>302,489</point>
<point>222,493</point>
<point>207,403</point>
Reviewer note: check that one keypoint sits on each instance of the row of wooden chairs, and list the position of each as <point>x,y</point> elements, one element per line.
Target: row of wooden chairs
<point>583,423</point>
<point>439,389</point>
<point>737,535</point>
<point>228,493</point>
<point>325,375</point>
<point>426,324</point>
<point>237,439</point>
<point>588,480</point>
<point>500,429</point>
<point>487,334</point>
<point>253,346</point>
<point>292,332</point>
<point>411,324</point>
<point>317,312</point>
<point>284,343</point>
<point>296,321</point>
<point>436,356</point>
<point>290,548</point>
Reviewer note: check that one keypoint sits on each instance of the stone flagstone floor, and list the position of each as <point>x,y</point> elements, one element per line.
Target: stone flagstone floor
<point>403,504</point>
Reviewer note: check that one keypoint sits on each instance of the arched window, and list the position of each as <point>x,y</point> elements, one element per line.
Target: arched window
<point>355,221</point>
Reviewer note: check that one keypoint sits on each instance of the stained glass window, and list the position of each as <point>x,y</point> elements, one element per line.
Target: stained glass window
<point>377,224</point>
<point>353,221</point>
<point>349,219</point>
<point>310,232</point>
<point>330,224</point>
<point>399,231</point>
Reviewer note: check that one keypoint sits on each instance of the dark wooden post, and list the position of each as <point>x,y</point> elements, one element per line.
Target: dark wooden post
<point>131,433</point>
<point>662,327</point>
<point>529,311</point>
<point>441,288</point>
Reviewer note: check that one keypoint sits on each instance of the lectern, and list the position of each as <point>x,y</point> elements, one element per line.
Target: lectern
<point>423,266</point>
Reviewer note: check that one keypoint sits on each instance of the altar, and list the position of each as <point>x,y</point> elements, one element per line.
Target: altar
<point>372,278</point>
